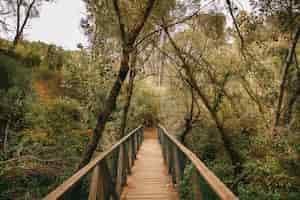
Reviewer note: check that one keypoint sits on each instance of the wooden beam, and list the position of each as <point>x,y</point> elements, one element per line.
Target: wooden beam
<point>213,181</point>
<point>119,180</point>
<point>94,184</point>
<point>73,180</point>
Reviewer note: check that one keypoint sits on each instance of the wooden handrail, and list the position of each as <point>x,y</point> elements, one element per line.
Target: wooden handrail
<point>133,138</point>
<point>219,188</point>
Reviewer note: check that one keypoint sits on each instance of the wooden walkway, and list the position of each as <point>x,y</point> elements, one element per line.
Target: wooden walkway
<point>149,179</point>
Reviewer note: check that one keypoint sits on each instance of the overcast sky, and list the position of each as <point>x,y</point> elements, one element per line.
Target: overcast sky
<point>58,24</point>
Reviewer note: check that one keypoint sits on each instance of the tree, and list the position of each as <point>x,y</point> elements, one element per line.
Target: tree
<point>22,11</point>
<point>186,66</point>
<point>286,66</point>
<point>128,36</point>
<point>285,16</point>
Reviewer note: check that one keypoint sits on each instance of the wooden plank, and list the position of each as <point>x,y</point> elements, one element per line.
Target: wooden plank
<point>149,178</point>
<point>69,183</point>
<point>214,182</point>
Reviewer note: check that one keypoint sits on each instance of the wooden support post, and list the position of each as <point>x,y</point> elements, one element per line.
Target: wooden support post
<point>159,135</point>
<point>109,183</point>
<point>125,164</point>
<point>97,185</point>
<point>195,186</point>
<point>94,184</point>
<point>135,145</point>
<point>138,140</point>
<point>132,149</point>
<point>130,158</point>
<point>167,155</point>
<point>171,165</point>
<point>142,135</point>
<point>165,150</point>
<point>177,166</point>
<point>120,170</point>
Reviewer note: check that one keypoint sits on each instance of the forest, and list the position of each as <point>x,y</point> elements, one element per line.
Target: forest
<point>222,76</point>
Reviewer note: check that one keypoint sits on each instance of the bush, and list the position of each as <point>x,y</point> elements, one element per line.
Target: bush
<point>145,108</point>
<point>15,85</point>
<point>57,117</point>
<point>64,115</point>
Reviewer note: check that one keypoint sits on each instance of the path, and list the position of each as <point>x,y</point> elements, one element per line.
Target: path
<point>149,179</point>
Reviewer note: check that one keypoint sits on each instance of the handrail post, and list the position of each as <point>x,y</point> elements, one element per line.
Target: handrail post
<point>195,185</point>
<point>177,166</point>
<point>140,133</point>
<point>94,184</point>
<point>125,164</point>
<point>168,160</point>
<point>97,185</point>
<point>119,179</point>
<point>129,153</point>
<point>135,145</point>
<point>138,139</point>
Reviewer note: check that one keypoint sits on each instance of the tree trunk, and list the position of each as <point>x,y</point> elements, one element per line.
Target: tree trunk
<point>110,105</point>
<point>234,156</point>
<point>293,96</point>
<point>20,28</point>
<point>128,40</point>
<point>132,75</point>
<point>286,67</point>
<point>188,121</point>
<point>290,105</point>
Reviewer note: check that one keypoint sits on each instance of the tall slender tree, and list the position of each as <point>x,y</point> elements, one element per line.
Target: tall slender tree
<point>128,37</point>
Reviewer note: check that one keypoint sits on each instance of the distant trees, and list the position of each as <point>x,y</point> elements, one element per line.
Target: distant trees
<point>54,57</point>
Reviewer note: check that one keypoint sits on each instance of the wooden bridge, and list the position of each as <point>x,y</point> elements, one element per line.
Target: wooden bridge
<point>143,165</point>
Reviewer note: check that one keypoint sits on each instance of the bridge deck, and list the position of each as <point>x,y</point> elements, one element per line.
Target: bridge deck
<point>149,179</point>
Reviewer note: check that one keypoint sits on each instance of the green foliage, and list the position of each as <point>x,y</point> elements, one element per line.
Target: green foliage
<point>12,73</point>
<point>185,184</point>
<point>62,111</point>
<point>145,107</point>
<point>14,87</point>
<point>54,58</point>
<point>50,128</point>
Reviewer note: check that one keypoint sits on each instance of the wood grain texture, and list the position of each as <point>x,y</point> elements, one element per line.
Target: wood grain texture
<point>149,179</point>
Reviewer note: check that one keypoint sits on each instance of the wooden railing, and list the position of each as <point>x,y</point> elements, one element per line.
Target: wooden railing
<point>203,184</point>
<point>105,175</point>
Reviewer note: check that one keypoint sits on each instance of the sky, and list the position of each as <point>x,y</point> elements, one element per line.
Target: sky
<point>59,23</point>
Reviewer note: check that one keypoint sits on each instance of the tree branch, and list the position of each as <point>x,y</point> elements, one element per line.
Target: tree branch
<point>120,21</point>
<point>229,3</point>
